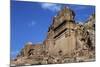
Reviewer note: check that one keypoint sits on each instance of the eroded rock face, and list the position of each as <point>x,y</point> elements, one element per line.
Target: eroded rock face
<point>66,42</point>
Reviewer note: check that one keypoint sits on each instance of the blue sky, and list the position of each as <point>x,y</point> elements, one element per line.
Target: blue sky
<point>30,21</point>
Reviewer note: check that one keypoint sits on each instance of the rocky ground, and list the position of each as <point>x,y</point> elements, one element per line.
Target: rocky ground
<point>79,56</point>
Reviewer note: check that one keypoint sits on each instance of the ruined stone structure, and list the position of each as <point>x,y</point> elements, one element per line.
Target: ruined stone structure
<point>67,41</point>
<point>61,34</point>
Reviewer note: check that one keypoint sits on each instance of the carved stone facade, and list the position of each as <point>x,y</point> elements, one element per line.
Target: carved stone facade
<point>61,34</point>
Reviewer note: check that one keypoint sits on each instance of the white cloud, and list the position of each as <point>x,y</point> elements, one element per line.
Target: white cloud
<point>32,23</point>
<point>51,6</point>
